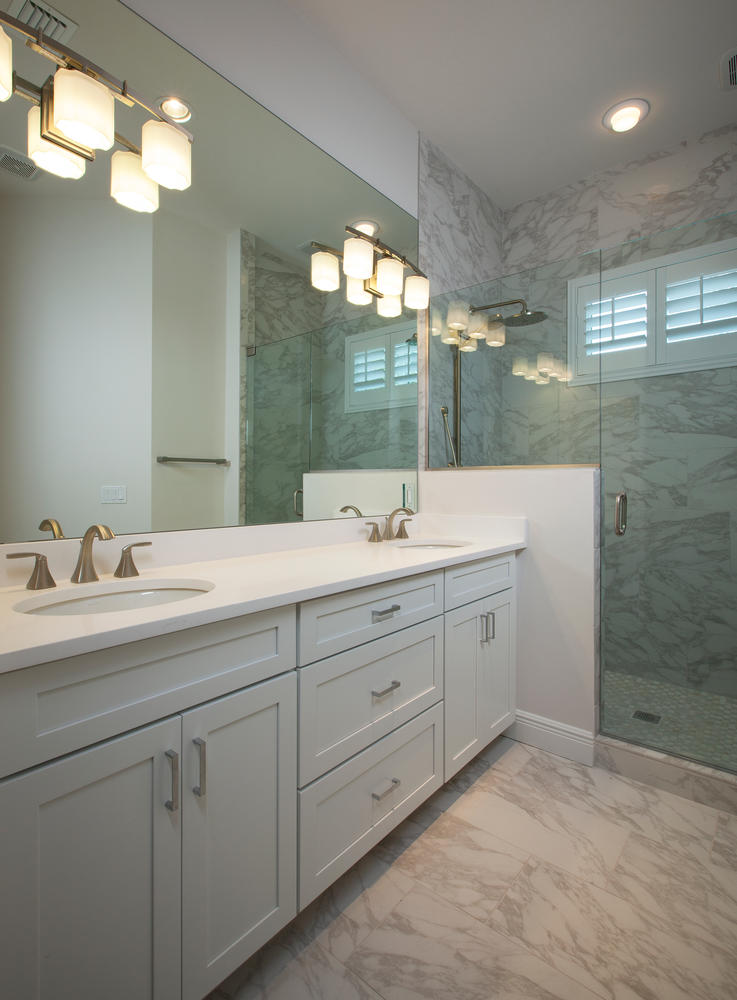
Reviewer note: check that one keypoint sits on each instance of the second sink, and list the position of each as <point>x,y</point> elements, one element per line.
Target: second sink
<point>100,598</point>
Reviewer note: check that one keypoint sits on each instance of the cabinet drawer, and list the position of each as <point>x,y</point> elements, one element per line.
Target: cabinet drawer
<point>481,578</point>
<point>329,625</point>
<point>59,707</point>
<point>346,812</point>
<point>349,700</point>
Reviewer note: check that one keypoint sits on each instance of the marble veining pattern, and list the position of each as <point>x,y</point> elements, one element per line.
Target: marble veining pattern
<point>591,886</point>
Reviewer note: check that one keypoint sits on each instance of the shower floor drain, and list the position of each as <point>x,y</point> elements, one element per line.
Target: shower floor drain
<point>646,716</point>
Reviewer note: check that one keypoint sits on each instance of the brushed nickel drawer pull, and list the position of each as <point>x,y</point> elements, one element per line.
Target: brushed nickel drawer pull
<point>392,687</point>
<point>378,796</point>
<point>173,803</point>
<point>382,616</point>
<point>201,789</point>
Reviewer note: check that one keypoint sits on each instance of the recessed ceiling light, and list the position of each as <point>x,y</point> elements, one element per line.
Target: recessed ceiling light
<point>625,115</point>
<point>175,108</point>
<point>366,226</point>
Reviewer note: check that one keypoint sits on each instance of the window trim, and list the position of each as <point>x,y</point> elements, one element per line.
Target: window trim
<point>392,396</point>
<point>658,347</point>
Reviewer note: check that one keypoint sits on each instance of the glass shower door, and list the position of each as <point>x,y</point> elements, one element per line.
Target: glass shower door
<point>669,442</point>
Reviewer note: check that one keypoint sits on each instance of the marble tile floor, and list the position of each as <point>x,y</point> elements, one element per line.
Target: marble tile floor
<point>696,724</point>
<point>526,877</point>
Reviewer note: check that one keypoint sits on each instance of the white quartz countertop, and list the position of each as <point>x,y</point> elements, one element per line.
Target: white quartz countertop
<point>242,586</point>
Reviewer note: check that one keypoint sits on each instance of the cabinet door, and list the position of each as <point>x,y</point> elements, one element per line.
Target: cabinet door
<point>479,677</point>
<point>90,873</point>
<point>239,842</point>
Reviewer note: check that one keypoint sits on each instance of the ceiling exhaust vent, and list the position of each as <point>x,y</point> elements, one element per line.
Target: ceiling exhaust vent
<point>728,70</point>
<point>37,14</point>
<point>18,164</point>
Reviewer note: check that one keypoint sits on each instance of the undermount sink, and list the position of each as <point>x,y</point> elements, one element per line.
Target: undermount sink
<point>125,595</point>
<point>431,543</point>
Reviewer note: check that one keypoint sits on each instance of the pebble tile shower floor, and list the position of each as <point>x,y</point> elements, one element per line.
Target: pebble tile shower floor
<point>695,724</point>
<point>527,877</point>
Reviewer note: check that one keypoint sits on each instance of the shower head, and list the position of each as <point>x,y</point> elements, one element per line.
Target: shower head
<point>525,318</point>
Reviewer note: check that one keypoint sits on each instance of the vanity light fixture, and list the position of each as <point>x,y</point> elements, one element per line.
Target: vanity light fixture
<point>366,226</point>
<point>625,115</point>
<point>450,337</point>
<point>436,322</point>
<point>496,335</point>
<point>468,344</point>
<point>325,271</point>
<point>47,155</point>
<point>478,326</point>
<point>519,367</point>
<point>458,318</point>
<point>73,115</point>
<point>373,270</point>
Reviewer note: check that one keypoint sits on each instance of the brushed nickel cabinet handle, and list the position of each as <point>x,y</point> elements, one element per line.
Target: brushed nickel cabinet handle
<point>485,637</point>
<point>620,514</point>
<point>201,789</point>
<point>392,687</point>
<point>382,616</point>
<point>173,803</point>
<point>491,625</point>
<point>378,796</point>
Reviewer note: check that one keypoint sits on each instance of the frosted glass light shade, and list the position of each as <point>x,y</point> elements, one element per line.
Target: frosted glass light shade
<point>324,271</point>
<point>390,305</point>
<point>478,325</point>
<point>84,109</point>
<point>129,185</point>
<point>389,276</point>
<point>545,364</point>
<point>47,155</point>
<point>6,66</point>
<point>450,337</point>
<point>519,366</point>
<point>457,315</point>
<point>416,292</point>
<point>356,293</point>
<point>166,154</point>
<point>542,379</point>
<point>468,345</point>
<point>532,375</point>
<point>358,258</point>
<point>496,335</point>
<point>436,322</point>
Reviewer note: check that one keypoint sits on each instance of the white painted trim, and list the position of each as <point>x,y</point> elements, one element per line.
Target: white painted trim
<point>555,737</point>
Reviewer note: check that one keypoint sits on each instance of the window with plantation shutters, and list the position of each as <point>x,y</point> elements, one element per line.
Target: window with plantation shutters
<point>381,369</point>
<point>670,314</point>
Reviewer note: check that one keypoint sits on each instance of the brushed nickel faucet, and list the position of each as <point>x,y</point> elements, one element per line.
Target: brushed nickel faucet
<point>389,530</point>
<point>52,525</point>
<point>41,578</point>
<point>126,567</point>
<point>84,571</point>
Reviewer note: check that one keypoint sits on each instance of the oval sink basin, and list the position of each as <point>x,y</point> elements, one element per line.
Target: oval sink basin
<point>431,543</point>
<point>101,598</point>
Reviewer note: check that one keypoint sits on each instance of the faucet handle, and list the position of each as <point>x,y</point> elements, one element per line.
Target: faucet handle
<point>402,533</point>
<point>375,535</point>
<point>41,578</point>
<point>126,566</point>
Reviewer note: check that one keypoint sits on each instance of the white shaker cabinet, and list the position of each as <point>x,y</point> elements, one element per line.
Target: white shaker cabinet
<point>91,873</point>
<point>239,829</point>
<point>479,676</point>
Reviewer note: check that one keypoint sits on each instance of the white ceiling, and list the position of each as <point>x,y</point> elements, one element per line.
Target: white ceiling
<point>514,90</point>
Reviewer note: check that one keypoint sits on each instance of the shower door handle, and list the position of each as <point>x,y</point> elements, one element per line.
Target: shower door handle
<point>620,514</point>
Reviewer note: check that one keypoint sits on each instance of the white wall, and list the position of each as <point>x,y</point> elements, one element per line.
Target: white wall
<point>75,343</point>
<point>558,591</point>
<point>188,379</point>
<point>279,58</point>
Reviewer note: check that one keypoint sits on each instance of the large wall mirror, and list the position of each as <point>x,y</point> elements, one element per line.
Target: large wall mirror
<point>194,331</point>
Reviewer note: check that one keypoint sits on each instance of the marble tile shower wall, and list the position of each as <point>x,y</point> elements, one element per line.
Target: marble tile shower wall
<point>671,443</point>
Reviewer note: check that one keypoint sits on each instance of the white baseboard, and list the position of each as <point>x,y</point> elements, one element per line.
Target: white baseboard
<point>555,737</point>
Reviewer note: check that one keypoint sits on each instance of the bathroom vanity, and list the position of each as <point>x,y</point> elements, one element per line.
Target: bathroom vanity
<point>174,789</point>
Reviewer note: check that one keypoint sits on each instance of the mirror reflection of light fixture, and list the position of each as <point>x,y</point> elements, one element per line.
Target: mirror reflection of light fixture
<point>389,305</point>
<point>129,185</point>
<point>73,115</point>
<point>436,322</point>
<point>545,363</point>
<point>47,155</point>
<point>374,270</point>
<point>84,109</point>
<point>451,337</point>
<point>325,271</point>
<point>468,345</point>
<point>519,366</point>
<point>478,326</point>
<point>458,318</point>
<point>6,66</point>
<point>166,155</point>
<point>355,292</point>
<point>496,335</point>
<point>358,258</point>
